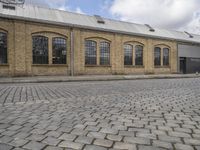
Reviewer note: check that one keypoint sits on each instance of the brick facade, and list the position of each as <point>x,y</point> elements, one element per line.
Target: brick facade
<point>20,51</point>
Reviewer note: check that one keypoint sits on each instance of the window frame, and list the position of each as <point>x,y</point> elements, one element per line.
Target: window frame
<point>160,49</point>
<point>168,58</point>
<point>106,53</point>
<point>62,62</point>
<point>88,57</point>
<point>130,56</point>
<point>142,57</point>
<point>5,49</point>
<point>46,55</point>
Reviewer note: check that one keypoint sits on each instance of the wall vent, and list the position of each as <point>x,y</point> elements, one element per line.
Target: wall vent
<point>190,35</point>
<point>99,19</point>
<point>150,28</point>
<point>10,7</point>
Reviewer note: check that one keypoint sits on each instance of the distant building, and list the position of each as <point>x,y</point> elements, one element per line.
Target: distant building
<point>44,41</point>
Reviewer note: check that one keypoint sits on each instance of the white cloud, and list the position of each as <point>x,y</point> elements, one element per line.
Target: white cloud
<point>194,25</point>
<point>78,10</point>
<point>173,14</point>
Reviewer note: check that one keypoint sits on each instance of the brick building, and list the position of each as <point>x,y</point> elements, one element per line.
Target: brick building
<point>43,41</point>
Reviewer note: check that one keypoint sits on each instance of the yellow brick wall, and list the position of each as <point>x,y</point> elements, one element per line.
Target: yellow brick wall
<point>20,51</point>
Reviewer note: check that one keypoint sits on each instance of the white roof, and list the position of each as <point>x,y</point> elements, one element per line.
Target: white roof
<point>53,16</point>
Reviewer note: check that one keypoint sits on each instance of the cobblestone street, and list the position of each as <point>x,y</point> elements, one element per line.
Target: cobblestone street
<point>133,115</point>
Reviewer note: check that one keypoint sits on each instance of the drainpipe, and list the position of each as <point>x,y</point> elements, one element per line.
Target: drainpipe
<point>72,52</point>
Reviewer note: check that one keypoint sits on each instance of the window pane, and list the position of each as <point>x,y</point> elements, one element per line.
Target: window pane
<point>157,56</point>
<point>90,52</point>
<point>3,48</point>
<point>138,55</point>
<point>59,51</point>
<point>40,50</point>
<point>128,55</point>
<point>165,57</point>
<point>104,53</point>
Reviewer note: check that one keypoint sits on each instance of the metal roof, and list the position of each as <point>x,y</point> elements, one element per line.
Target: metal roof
<point>59,17</point>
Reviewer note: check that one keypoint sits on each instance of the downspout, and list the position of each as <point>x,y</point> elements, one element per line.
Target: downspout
<point>72,52</point>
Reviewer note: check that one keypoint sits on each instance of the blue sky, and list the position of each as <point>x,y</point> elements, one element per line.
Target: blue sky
<point>181,15</point>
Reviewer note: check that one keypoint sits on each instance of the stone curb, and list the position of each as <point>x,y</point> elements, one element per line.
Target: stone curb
<point>99,78</point>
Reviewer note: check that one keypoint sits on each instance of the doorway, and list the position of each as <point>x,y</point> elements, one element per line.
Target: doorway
<point>183,65</point>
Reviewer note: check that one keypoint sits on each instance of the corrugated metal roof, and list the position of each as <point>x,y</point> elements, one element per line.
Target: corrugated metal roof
<point>53,16</point>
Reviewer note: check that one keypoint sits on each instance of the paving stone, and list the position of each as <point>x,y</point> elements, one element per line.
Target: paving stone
<point>108,131</point>
<point>121,145</point>
<point>51,141</point>
<point>38,131</point>
<point>36,137</point>
<point>137,140</point>
<point>185,130</point>
<point>142,147</point>
<point>79,132</point>
<point>197,147</point>
<point>127,133</point>
<point>179,134</point>
<point>69,144</point>
<point>34,146</point>
<point>21,135</point>
<point>104,143</point>
<point>158,143</point>
<point>169,139</point>
<point>84,140</point>
<point>67,137</point>
<point>6,139</point>
<point>5,147</point>
<point>146,135</point>
<point>18,142</point>
<point>114,137</point>
<point>53,134</point>
<point>53,148</point>
<point>97,135</point>
<point>192,141</point>
<point>92,128</point>
<point>14,127</point>
<point>94,147</point>
<point>18,148</point>
<point>183,147</point>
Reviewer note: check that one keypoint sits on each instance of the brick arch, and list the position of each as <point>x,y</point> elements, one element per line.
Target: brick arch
<point>162,45</point>
<point>42,32</point>
<point>134,42</point>
<point>97,37</point>
<point>3,30</point>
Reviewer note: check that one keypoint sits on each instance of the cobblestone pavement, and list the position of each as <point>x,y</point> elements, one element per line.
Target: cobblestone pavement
<point>133,115</point>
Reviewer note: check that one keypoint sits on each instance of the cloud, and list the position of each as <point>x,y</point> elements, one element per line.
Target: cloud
<point>194,25</point>
<point>173,14</point>
<point>78,10</point>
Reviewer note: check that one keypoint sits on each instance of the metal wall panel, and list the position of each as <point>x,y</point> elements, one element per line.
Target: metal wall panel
<point>188,51</point>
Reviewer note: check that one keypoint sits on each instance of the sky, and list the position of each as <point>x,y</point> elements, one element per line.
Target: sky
<point>183,15</point>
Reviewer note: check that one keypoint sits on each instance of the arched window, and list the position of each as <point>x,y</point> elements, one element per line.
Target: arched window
<point>157,56</point>
<point>128,54</point>
<point>59,50</point>
<point>104,53</point>
<point>165,56</point>
<point>40,50</point>
<point>138,55</point>
<point>3,48</point>
<point>90,52</point>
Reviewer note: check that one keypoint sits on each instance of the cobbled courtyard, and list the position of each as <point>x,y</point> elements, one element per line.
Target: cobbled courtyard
<point>128,115</point>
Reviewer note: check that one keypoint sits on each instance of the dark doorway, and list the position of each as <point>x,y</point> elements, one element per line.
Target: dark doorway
<point>183,65</point>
